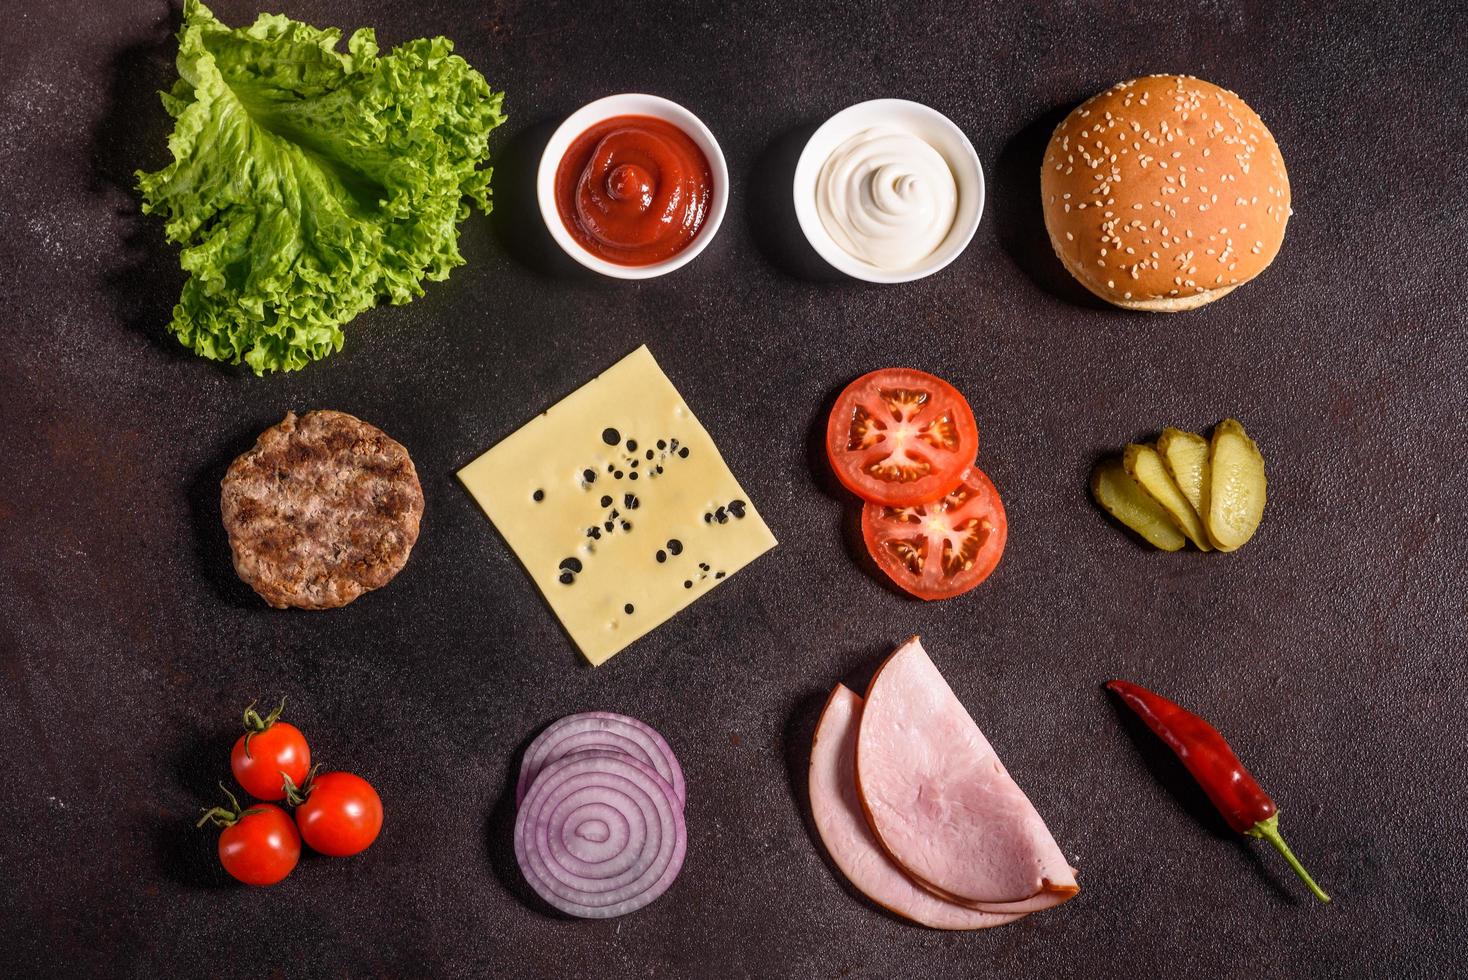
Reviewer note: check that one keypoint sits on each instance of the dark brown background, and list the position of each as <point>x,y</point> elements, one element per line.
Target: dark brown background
<point>1331,650</point>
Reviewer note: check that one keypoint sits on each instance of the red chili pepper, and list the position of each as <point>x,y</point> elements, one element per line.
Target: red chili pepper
<point>1236,794</point>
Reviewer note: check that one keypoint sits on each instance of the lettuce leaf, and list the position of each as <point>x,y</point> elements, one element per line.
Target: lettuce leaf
<point>308,184</point>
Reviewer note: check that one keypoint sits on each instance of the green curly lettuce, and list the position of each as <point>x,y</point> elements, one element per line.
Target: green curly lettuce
<point>308,185</point>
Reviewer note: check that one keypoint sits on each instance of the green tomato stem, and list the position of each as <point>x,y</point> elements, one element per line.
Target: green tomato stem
<point>254,724</point>
<point>296,795</point>
<point>1269,830</point>
<point>220,817</point>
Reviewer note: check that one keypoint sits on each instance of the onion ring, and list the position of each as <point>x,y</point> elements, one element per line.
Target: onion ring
<point>600,834</point>
<point>601,730</point>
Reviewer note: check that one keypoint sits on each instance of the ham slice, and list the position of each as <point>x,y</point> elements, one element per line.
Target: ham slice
<point>940,801</point>
<point>843,827</point>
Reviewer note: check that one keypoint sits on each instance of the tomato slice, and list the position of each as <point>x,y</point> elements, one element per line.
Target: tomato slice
<point>942,549</point>
<point>899,437</point>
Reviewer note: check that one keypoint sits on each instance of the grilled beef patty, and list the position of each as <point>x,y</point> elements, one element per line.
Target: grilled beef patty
<point>323,508</point>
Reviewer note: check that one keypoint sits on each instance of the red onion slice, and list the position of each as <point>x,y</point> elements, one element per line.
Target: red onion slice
<point>601,730</point>
<point>600,834</point>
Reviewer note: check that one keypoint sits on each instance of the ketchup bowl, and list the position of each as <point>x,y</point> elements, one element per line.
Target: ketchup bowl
<point>907,119</point>
<point>693,186</point>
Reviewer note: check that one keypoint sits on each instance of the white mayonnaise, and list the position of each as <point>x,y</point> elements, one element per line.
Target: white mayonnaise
<point>887,197</point>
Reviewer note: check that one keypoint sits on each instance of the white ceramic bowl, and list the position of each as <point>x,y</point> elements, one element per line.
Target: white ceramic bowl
<point>631,104</point>
<point>928,124</point>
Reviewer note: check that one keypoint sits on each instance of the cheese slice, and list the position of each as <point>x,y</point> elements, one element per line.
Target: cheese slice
<point>619,506</point>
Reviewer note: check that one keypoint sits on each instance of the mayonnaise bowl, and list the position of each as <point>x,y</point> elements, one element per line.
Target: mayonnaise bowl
<point>888,191</point>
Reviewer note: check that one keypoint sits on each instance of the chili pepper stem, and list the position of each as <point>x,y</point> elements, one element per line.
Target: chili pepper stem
<point>1269,830</point>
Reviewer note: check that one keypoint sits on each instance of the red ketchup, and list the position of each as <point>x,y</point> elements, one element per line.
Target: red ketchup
<point>634,190</point>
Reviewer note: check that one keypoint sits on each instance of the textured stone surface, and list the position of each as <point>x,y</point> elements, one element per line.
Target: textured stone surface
<point>1331,650</point>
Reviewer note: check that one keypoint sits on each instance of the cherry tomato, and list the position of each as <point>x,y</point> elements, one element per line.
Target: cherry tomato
<point>341,814</point>
<point>901,437</point>
<point>268,752</point>
<point>259,845</point>
<point>942,549</point>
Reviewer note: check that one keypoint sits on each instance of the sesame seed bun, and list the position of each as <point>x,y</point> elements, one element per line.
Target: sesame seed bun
<point>1164,193</point>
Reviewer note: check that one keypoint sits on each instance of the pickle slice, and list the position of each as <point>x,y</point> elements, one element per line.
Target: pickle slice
<point>1234,493</point>
<point>1186,456</point>
<point>1121,497</point>
<point>1144,465</point>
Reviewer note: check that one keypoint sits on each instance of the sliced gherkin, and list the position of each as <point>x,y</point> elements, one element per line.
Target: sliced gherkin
<point>1121,497</point>
<point>1186,456</point>
<point>1235,491</point>
<point>1144,464</point>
